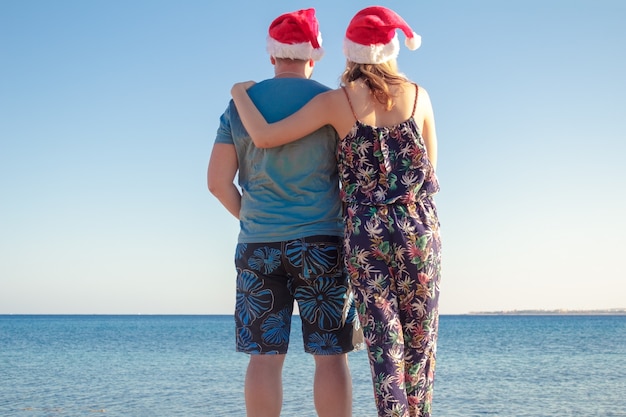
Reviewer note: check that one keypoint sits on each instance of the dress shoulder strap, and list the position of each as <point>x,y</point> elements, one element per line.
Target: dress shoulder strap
<point>415,102</point>
<point>350,103</point>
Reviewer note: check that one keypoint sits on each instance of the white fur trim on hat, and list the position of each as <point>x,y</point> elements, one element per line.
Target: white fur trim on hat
<point>371,54</point>
<point>302,51</point>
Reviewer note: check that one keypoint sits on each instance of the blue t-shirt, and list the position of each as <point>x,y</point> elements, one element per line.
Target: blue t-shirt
<point>290,191</point>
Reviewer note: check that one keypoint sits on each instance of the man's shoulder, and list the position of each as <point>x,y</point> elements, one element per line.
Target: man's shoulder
<point>288,83</point>
<point>277,98</point>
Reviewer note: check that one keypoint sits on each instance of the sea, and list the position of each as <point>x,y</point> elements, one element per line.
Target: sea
<point>153,366</point>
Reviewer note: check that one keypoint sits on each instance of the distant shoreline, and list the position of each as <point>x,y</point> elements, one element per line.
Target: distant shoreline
<point>557,312</point>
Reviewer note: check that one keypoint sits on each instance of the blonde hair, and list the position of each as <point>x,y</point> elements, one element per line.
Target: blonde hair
<point>377,77</point>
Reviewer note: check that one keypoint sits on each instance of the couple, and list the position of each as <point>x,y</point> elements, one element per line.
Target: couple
<point>336,201</point>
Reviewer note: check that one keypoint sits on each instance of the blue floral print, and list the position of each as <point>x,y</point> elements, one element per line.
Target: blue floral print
<point>265,259</point>
<point>252,300</point>
<point>276,327</point>
<point>323,344</point>
<point>314,259</point>
<point>322,303</point>
<point>268,283</point>
<point>240,250</point>
<point>244,338</point>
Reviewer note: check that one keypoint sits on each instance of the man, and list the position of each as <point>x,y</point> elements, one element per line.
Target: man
<point>289,245</point>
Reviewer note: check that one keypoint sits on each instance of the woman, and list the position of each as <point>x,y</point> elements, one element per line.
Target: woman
<point>387,158</point>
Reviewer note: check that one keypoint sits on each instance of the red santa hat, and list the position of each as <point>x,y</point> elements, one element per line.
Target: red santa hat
<point>371,36</point>
<point>295,35</point>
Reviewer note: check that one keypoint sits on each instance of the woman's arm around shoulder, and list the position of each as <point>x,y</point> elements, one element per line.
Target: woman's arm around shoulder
<point>316,113</point>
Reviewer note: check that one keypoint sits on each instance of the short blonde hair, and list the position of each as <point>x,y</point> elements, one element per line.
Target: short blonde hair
<point>378,77</point>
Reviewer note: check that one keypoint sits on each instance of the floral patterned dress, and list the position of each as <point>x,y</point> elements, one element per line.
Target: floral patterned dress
<point>392,253</point>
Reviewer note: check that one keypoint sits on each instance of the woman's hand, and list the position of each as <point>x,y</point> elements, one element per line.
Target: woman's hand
<point>244,85</point>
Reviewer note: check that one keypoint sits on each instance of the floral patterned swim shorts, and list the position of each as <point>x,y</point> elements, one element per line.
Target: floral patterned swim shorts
<point>270,276</point>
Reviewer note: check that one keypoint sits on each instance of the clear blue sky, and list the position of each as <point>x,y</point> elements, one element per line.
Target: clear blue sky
<point>108,112</point>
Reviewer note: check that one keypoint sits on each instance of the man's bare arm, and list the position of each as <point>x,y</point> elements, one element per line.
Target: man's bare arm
<point>221,173</point>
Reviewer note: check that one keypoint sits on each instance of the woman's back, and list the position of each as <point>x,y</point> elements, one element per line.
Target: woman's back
<point>383,159</point>
<point>357,102</point>
<point>367,109</point>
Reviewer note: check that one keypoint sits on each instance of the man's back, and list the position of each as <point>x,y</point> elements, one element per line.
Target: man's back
<point>290,191</point>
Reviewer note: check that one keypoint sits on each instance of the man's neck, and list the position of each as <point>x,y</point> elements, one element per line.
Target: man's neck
<point>289,74</point>
<point>289,71</point>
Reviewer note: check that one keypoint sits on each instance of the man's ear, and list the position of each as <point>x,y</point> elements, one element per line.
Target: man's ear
<point>273,60</point>
<point>311,63</point>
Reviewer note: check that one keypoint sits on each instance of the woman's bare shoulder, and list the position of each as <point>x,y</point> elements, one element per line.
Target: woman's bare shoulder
<point>336,109</point>
<point>422,92</point>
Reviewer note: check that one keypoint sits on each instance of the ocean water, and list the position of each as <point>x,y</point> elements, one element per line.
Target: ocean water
<point>135,366</point>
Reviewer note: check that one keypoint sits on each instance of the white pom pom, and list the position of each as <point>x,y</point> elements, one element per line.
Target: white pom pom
<point>414,42</point>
